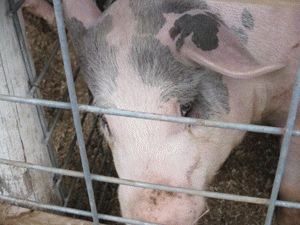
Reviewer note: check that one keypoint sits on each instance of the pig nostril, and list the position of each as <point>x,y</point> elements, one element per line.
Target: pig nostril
<point>185,108</point>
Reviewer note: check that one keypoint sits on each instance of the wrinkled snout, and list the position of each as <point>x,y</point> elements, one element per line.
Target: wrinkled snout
<point>160,206</point>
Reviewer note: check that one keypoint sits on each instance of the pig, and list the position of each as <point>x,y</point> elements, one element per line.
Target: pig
<point>45,10</point>
<point>41,8</point>
<point>221,61</point>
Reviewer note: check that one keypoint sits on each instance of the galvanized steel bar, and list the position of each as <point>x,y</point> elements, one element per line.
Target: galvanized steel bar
<point>105,186</point>
<point>44,70</point>
<point>16,7</point>
<point>75,111</point>
<point>21,40</point>
<point>68,157</point>
<point>284,148</point>
<point>287,204</point>
<point>142,115</point>
<point>58,113</point>
<point>70,153</point>
<point>70,190</point>
<point>92,164</point>
<point>108,179</point>
<point>74,180</point>
<point>35,205</point>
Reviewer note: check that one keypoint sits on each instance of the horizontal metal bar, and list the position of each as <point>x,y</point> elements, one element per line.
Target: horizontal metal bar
<point>142,115</point>
<point>35,205</point>
<point>287,204</point>
<point>102,178</point>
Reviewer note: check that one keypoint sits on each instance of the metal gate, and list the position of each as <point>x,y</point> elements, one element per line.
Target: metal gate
<point>109,181</point>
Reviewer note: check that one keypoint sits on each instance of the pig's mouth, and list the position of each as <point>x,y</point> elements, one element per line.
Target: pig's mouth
<point>162,207</point>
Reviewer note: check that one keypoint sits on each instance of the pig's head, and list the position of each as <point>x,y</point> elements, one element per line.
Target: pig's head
<point>162,57</point>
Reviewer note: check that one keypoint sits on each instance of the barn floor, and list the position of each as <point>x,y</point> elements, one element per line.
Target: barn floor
<point>248,171</point>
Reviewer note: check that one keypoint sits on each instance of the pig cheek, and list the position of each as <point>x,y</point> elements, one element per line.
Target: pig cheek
<point>160,206</point>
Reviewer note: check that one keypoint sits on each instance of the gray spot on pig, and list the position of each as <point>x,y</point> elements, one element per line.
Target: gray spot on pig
<point>183,6</point>
<point>77,30</point>
<point>240,34</point>
<point>216,96</point>
<point>247,19</point>
<point>204,28</point>
<point>96,57</point>
<point>158,67</point>
<point>150,13</point>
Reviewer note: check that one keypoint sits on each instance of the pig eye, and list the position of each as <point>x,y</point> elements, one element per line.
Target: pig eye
<point>185,108</point>
<point>104,125</point>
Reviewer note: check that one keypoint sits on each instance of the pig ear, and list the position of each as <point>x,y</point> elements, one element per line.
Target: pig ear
<point>203,38</point>
<point>86,11</point>
<point>80,15</point>
<point>77,31</point>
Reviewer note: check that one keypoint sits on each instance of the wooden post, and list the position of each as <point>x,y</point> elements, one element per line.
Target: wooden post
<point>21,134</point>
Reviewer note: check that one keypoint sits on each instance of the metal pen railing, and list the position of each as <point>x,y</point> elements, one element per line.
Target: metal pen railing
<point>287,133</point>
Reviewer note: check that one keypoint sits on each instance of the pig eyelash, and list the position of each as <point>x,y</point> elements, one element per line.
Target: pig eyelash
<point>185,108</point>
<point>105,126</point>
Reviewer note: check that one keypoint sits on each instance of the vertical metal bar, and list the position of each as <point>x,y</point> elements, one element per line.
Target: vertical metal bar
<point>74,106</point>
<point>59,111</point>
<point>16,6</point>
<point>45,69</point>
<point>21,40</point>
<point>284,148</point>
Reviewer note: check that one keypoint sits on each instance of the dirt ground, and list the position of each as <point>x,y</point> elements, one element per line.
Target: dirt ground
<point>248,171</point>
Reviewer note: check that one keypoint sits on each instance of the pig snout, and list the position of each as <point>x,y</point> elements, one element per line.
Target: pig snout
<point>160,206</point>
